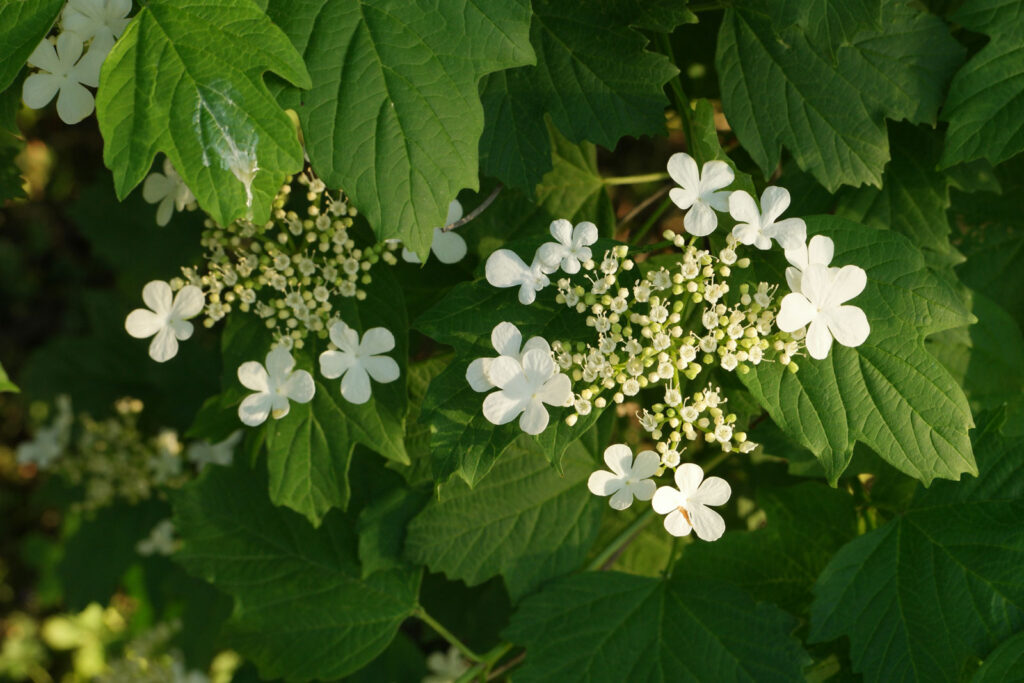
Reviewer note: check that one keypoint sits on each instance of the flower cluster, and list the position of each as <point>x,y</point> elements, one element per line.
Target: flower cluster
<point>69,61</point>
<point>113,459</point>
<point>656,328</point>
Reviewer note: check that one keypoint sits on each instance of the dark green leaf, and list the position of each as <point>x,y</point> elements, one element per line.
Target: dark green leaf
<point>1005,663</point>
<point>23,23</point>
<point>382,529</point>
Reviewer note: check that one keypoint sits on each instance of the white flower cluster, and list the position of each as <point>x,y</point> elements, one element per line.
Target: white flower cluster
<point>663,326</point>
<point>113,459</point>
<point>71,60</point>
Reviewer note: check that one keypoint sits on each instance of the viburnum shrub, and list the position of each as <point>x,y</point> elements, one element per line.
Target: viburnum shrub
<point>336,360</point>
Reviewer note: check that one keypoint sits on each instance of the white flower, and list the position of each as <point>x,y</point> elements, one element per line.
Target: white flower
<point>167,321</point>
<point>506,340</point>
<point>160,541</point>
<point>818,251</point>
<point>572,247</point>
<point>203,453</point>
<point>448,246</point>
<point>687,505</point>
<point>759,229</point>
<point>628,479</point>
<point>819,305</point>
<point>505,269</point>
<point>445,668</point>
<point>169,191</point>
<point>698,192</point>
<point>274,385</point>
<point>99,20</point>
<point>49,442</point>
<point>524,387</point>
<point>357,361</point>
<point>63,74</point>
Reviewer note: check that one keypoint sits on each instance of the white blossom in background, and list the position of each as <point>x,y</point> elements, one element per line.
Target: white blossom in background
<point>101,21</point>
<point>275,385</point>
<point>169,191</point>
<point>167,319</point>
<point>445,667</point>
<point>699,191</point>
<point>161,540</point>
<point>505,269</point>
<point>628,478</point>
<point>49,442</point>
<point>448,246</point>
<point>819,306</point>
<point>356,361</point>
<point>818,251</point>
<point>571,249</point>
<point>686,504</point>
<point>507,341</point>
<point>203,453</point>
<point>63,72</point>
<point>524,388</point>
<point>759,228</point>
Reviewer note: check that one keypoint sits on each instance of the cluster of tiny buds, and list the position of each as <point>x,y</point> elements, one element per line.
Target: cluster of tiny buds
<point>698,416</point>
<point>287,270</point>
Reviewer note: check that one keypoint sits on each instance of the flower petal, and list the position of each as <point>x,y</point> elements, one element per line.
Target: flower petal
<point>712,491</point>
<point>676,524</point>
<point>253,376</point>
<point>683,198</point>
<point>344,337</point>
<point>550,254</point>
<point>255,409</point>
<point>708,524</point>
<point>158,296</point>
<point>688,478</point>
<point>500,408</point>
<point>819,339</point>
<point>536,343</point>
<point>847,282</point>
<point>182,329</point>
<point>795,312</point>
<point>557,391</point>
<point>584,235</point>
<point>683,169</point>
<point>377,340</point>
<point>164,211</point>
<point>619,458</point>
<point>335,363</point>
<point>156,187</point>
<point>382,369</point>
<point>789,233</point>
<point>506,339</point>
<point>794,278</point>
<point>561,230</point>
<point>622,498</point>
<point>700,220</point>
<point>666,499</point>
<point>535,418</point>
<point>45,58</point>
<point>774,202</point>
<point>505,269</point>
<point>300,387</point>
<point>646,464</point>
<point>816,284</point>
<point>279,364</point>
<point>74,102</point>
<point>503,370</point>
<point>476,375</point>
<point>409,256</point>
<point>537,366</point>
<point>164,345</point>
<point>448,247</point>
<point>743,209</point>
<point>820,250</point>
<point>848,325</point>
<point>188,302</point>
<point>604,483</point>
<point>714,176</point>
<point>39,89</point>
<point>355,385</point>
<point>454,212</point>
<point>142,323</point>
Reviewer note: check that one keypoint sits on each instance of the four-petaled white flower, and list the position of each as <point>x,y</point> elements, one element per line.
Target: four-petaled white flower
<point>203,453</point>
<point>507,341</point>
<point>571,249</point>
<point>699,191</point>
<point>275,386</point>
<point>505,269</point>
<point>445,667</point>
<point>524,388</point>
<point>167,321</point>
<point>448,246</point>
<point>759,228</point>
<point>356,361</point>
<point>818,305</point>
<point>686,503</point>
<point>161,540</point>
<point>628,478</point>
<point>818,251</point>
<point>99,20</point>
<point>63,72</point>
<point>169,191</point>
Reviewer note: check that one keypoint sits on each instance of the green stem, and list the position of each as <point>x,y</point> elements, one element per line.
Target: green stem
<point>635,179</point>
<point>622,539</point>
<point>698,7</point>
<point>486,663</point>
<point>430,621</point>
<point>681,100</point>
<point>651,220</point>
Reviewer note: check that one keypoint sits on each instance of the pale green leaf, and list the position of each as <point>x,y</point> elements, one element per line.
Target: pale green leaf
<point>5,382</point>
<point>186,79</point>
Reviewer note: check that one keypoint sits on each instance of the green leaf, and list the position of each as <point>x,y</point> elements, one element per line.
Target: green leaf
<point>888,393</point>
<point>707,147</point>
<point>394,116</point>
<point>821,81</point>
<point>524,521</point>
<point>938,586</point>
<point>806,524</point>
<point>1005,663</point>
<point>382,529</point>
<point>301,609</point>
<point>185,80</point>
<point>985,105</point>
<point>23,23</point>
<point>5,382</point>
<point>593,77</point>
<point>607,626</point>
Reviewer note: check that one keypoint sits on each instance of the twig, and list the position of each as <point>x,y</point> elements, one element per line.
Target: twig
<point>510,664</point>
<point>477,211</point>
<point>636,210</point>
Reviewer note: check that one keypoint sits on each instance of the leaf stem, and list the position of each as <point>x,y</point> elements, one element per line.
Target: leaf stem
<point>477,211</point>
<point>634,179</point>
<point>620,541</point>
<point>433,623</point>
<point>650,222</point>
<point>484,664</point>
<point>682,102</point>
